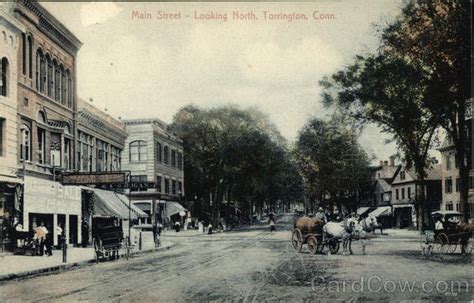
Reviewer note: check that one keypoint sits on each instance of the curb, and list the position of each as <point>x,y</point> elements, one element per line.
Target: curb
<point>67,266</point>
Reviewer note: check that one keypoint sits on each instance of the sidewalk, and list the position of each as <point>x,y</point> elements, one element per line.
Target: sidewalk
<point>15,266</point>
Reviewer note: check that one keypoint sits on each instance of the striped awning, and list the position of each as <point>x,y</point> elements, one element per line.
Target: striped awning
<point>111,204</point>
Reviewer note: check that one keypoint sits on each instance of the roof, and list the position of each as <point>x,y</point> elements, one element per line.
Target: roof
<point>384,185</point>
<point>433,173</point>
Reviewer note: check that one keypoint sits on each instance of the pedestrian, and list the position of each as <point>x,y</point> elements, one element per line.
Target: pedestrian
<point>177,226</point>
<point>209,228</point>
<point>59,235</point>
<point>200,227</point>
<point>272,222</point>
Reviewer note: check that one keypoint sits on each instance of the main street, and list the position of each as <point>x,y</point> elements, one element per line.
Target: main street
<point>254,264</point>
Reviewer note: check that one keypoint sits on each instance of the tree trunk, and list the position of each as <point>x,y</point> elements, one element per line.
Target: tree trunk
<point>421,198</point>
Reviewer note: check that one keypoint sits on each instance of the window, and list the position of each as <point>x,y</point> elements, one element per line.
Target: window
<point>158,184</point>
<point>448,185</point>
<point>166,155</point>
<point>448,162</point>
<point>159,157</point>
<point>138,151</point>
<point>449,205</point>
<point>409,192</point>
<point>63,86</point>
<point>30,57</point>
<point>23,53</point>
<point>402,175</point>
<point>180,160</point>
<point>25,143</point>
<point>180,188</point>
<point>67,154</point>
<point>381,197</point>
<point>69,89</point>
<point>471,182</point>
<point>41,145</point>
<point>1,136</point>
<point>173,158</point>
<point>101,158</point>
<point>57,82</point>
<point>458,206</point>
<point>396,194</point>
<point>140,183</point>
<point>456,161</point>
<point>458,184</point>
<point>116,159</point>
<point>49,77</point>
<point>5,80</point>
<point>167,186</point>
<point>173,187</point>
<point>403,193</point>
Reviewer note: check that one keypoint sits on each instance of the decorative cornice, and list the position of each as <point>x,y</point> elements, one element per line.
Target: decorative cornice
<point>93,122</point>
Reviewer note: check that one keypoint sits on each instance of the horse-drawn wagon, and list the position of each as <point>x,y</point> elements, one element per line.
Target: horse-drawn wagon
<point>317,235</point>
<point>449,233</point>
<point>107,241</point>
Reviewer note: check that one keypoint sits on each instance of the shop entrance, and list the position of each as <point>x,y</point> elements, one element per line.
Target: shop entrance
<point>73,229</point>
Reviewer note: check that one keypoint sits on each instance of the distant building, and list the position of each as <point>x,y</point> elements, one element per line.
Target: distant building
<point>404,188</point>
<point>155,158</point>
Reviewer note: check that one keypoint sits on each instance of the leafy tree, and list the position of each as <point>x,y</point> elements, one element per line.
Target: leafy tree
<point>435,37</point>
<point>391,93</point>
<point>332,163</point>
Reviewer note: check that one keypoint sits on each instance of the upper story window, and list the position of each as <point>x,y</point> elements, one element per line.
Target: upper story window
<point>166,154</point>
<point>138,151</point>
<point>62,89</point>
<point>173,158</point>
<point>180,160</point>
<point>57,81</point>
<point>69,89</point>
<point>448,162</point>
<point>448,185</point>
<point>30,57</point>
<point>25,143</point>
<point>5,77</point>
<point>1,136</point>
<point>49,76</point>
<point>159,157</point>
<point>23,54</point>
<point>402,175</point>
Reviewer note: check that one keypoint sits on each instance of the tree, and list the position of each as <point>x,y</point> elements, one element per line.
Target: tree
<point>333,165</point>
<point>391,93</point>
<point>435,37</point>
<point>234,153</point>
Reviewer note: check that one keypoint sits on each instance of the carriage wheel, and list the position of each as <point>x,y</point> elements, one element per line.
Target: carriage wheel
<point>334,247</point>
<point>313,245</point>
<point>297,240</point>
<point>442,244</point>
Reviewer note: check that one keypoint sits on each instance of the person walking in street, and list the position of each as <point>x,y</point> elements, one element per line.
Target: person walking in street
<point>177,226</point>
<point>272,222</point>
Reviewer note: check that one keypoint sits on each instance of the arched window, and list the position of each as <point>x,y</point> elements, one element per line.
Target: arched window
<point>40,71</point>
<point>63,85</point>
<point>5,80</point>
<point>25,143</point>
<point>30,57</point>
<point>173,158</point>
<point>57,81</point>
<point>138,151</point>
<point>49,76</point>
<point>159,157</point>
<point>68,89</point>
<point>23,53</point>
<point>166,155</point>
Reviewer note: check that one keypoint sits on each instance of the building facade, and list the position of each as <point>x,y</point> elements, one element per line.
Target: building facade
<point>10,184</point>
<point>154,156</point>
<point>46,120</point>
<point>404,188</point>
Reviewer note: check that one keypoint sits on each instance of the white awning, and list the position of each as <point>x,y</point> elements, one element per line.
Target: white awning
<point>381,211</point>
<point>362,210</point>
<point>172,208</point>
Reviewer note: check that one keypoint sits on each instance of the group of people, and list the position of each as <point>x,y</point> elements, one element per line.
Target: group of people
<point>42,239</point>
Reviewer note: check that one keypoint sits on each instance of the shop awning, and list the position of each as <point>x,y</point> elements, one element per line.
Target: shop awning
<point>173,208</point>
<point>362,210</point>
<point>110,204</point>
<point>381,211</point>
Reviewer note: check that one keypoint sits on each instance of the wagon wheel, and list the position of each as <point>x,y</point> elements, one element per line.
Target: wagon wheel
<point>442,244</point>
<point>334,247</point>
<point>313,245</point>
<point>297,239</point>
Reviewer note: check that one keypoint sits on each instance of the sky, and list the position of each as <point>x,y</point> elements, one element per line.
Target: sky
<point>149,68</point>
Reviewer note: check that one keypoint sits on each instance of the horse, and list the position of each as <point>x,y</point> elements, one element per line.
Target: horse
<point>369,224</point>
<point>341,230</point>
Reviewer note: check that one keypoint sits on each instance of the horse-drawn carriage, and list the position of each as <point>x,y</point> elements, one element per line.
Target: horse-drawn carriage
<point>317,235</point>
<point>107,241</point>
<point>449,233</point>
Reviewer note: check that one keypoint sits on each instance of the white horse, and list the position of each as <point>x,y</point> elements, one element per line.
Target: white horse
<point>369,224</point>
<point>336,231</point>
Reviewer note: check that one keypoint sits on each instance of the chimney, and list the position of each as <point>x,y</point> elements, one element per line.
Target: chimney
<point>385,163</point>
<point>381,163</point>
<point>392,160</point>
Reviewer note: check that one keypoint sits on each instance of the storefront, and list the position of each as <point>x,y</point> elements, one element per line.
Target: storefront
<point>53,205</point>
<point>404,215</point>
<point>10,210</point>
